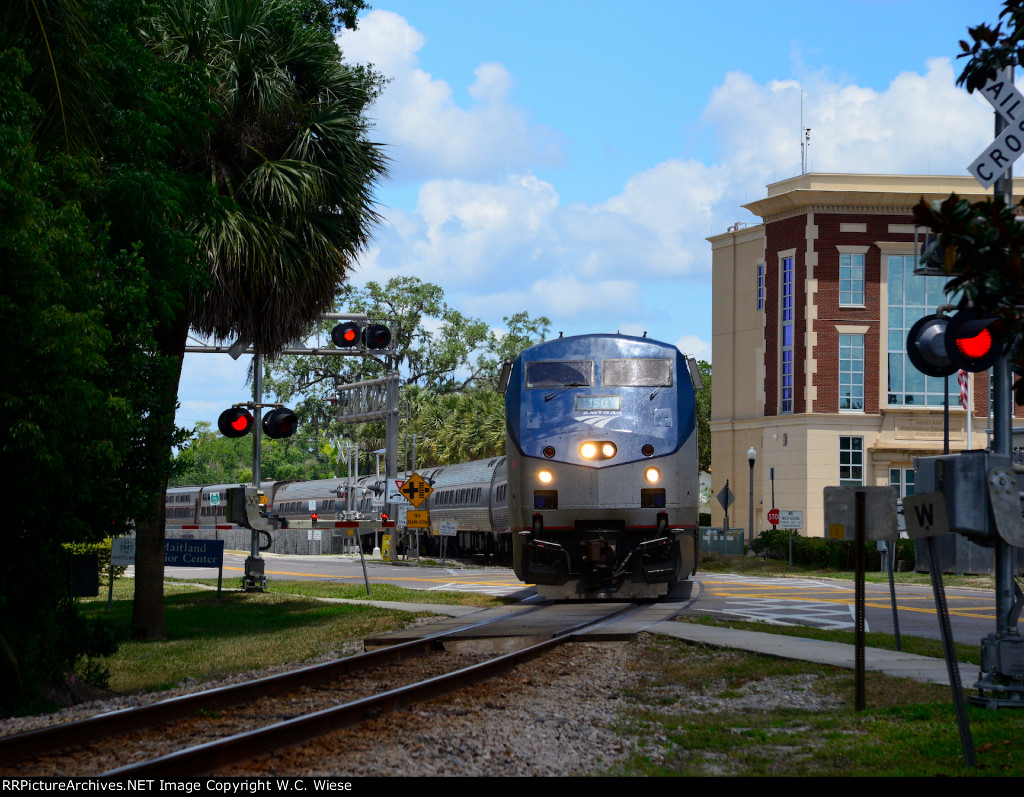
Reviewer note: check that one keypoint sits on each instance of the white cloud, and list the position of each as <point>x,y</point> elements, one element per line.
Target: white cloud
<point>499,239</point>
<point>921,124</point>
<point>694,346</point>
<point>427,133</point>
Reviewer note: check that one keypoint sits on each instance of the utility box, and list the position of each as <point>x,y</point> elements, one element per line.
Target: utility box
<point>963,480</point>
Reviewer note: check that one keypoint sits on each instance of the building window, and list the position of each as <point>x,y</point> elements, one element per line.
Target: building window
<point>851,372</point>
<point>851,280</point>
<point>786,320</point>
<point>760,286</point>
<point>911,298</point>
<point>902,481</point>
<point>851,461</point>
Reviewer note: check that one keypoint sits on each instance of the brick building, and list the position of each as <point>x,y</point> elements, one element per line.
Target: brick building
<point>811,312</point>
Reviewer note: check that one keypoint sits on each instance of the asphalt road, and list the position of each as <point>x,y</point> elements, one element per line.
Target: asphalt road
<point>826,603</point>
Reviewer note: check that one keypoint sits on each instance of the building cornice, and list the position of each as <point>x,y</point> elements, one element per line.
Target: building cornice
<point>861,194</point>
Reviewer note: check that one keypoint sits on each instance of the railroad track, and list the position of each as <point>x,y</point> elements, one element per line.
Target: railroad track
<point>209,731</point>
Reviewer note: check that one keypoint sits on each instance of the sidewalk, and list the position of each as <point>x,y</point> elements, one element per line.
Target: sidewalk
<point>902,665</point>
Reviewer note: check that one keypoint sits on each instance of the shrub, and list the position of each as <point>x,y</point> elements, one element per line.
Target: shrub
<point>824,554</point>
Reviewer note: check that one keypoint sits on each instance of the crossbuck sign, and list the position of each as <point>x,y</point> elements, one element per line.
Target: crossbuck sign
<point>998,156</point>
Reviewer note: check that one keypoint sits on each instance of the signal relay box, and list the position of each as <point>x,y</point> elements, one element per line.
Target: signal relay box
<point>981,493</point>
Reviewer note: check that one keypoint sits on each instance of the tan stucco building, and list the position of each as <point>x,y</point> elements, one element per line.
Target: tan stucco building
<point>811,312</point>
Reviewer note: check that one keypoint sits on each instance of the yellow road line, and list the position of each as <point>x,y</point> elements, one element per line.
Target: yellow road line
<point>359,577</point>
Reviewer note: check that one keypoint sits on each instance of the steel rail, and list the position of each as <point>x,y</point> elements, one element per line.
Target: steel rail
<point>51,739</point>
<point>211,756</point>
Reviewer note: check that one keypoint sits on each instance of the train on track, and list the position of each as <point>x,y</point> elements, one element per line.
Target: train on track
<point>597,495</point>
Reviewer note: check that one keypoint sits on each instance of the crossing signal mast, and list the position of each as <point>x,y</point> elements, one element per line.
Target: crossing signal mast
<point>978,492</point>
<point>356,335</point>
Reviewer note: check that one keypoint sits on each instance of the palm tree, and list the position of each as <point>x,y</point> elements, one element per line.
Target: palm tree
<point>287,151</point>
<point>289,154</point>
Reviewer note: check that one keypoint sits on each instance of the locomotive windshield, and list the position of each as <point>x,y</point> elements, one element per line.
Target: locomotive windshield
<point>645,372</point>
<point>563,373</point>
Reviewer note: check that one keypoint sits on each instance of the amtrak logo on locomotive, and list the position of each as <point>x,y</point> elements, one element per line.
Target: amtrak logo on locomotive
<point>600,421</point>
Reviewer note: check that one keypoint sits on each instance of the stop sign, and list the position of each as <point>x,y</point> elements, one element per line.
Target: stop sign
<point>773,517</point>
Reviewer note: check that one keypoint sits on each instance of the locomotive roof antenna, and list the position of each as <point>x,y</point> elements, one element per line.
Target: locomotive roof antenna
<point>645,333</point>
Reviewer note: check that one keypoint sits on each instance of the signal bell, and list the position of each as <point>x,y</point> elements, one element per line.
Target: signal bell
<point>235,422</point>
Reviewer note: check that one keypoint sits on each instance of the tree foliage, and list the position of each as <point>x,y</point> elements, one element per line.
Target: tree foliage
<point>982,243</point>
<point>190,162</point>
<point>289,155</point>
<point>85,204</point>
<point>449,365</point>
<point>704,417</point>
<point>211,458</point>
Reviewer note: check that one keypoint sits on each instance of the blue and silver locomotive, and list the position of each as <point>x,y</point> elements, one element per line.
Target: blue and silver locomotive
<point>602,467</point>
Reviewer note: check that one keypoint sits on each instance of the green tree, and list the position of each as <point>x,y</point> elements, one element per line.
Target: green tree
<point>981,243</point>
<point>288,156</point>
<point>210,458</point>
<point>447,362</point>
<point>704,417</point>
<point>94,261</point>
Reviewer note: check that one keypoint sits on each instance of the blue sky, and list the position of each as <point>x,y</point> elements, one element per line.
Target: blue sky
<point>570,158</point>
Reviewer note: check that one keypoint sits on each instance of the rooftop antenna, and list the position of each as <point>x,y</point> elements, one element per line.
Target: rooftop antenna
<point>805,137</point>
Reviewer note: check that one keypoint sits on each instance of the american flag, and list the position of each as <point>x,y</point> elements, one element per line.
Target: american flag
<point>961,378</point>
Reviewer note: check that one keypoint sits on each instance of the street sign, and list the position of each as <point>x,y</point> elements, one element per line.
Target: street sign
<point>791,519</point>
<point>725,497</point>
<point>773,517</point>
<point>417,519</point>
<point>416,490</point>
<point>879,512</point>
<point>395,492</point>
<point>448,528</point>
<point>122,551</point>
<point>925,515</point>
<point>998,156</point>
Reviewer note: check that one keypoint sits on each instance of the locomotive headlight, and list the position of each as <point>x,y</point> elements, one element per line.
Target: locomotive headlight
<point>545,476</point>
<point>652,475</point>
<point>602,449</point>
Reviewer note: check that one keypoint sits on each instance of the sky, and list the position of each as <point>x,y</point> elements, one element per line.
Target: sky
<point>570,158</point>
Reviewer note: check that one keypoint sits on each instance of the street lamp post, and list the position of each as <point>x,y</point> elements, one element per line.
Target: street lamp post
<point>751,458</point>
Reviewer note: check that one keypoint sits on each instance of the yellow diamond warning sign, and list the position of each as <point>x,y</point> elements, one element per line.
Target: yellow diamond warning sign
<point>416,489</point>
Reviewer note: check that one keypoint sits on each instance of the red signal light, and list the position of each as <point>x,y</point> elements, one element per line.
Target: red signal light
<point>235,422</point>
<point>279,423</point>
<point>314,516</point>
<point>346,335</point>
<point>978,346</point>
<point>970,340</point>
<point>377,336</point>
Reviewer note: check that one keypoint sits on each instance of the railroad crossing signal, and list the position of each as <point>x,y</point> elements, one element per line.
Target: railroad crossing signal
<point>235,422</point>
<point>416,490</point>
<point>279,423</point>
<point>970,342</point>
<point>372,335</point>
<point>939,346</point>
<point>238,422</point>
